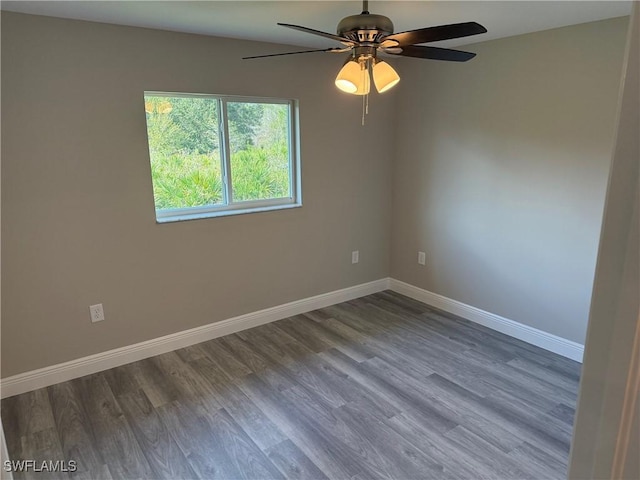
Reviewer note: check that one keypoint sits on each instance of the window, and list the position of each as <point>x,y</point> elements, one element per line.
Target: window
<point>215,155</point>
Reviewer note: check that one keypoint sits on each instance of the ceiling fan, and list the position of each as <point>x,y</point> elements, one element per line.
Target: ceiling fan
<point>367,35</point>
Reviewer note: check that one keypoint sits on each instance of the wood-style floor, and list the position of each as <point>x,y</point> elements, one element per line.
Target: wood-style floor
<point>379,387</point>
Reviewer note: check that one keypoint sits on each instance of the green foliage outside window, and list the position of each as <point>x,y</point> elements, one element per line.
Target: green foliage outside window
<point>185,152</point>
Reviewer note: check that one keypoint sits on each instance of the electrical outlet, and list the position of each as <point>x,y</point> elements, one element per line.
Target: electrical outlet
<point>422,258</point>
<point>97,312</point>
<point>355,256</point>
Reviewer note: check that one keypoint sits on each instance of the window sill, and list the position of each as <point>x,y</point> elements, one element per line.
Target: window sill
<point>224,213</point>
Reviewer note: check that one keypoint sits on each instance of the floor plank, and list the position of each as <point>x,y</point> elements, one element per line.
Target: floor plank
<point>160,449</point>
<point>293,463</point>
<point>113,436</point>
<point>74,427</point>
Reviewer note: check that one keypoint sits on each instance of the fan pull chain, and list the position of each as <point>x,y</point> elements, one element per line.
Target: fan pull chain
<point>365,107</point>
<point>363,69</point>
<point>365,98</point>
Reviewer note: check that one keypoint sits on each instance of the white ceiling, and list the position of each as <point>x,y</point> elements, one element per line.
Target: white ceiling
<point>256,20</point>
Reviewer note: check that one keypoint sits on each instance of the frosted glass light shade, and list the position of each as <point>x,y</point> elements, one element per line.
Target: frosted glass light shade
<point>384,76</point>
<point>354,78</point>
<point>349,77</point>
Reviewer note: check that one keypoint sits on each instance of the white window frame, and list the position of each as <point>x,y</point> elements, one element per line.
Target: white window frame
<point>230,207</point>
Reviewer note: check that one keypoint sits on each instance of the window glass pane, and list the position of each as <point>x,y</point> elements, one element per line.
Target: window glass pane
<point>259,147</point>
<point>184,151</point>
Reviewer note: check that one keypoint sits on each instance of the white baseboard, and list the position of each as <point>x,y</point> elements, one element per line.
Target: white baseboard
<point>528,334</point>
<point>43,377</point>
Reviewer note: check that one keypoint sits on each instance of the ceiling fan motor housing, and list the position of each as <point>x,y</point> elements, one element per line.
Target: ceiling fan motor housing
<point>365,27</point>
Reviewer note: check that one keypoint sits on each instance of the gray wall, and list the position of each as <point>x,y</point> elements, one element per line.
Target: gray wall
<point>78,216</point>
<point>500,174</point>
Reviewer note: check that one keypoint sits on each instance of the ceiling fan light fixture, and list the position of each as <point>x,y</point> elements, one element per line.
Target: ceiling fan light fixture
<point>353,78</point>
<point>366,35</point>
<point>384,76</point>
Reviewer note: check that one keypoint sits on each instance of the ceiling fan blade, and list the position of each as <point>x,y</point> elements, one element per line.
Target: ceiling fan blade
<point>435,53</point>
<point>336,50</point>
<point>391,50</point>
<point>434,34</point>
<point>317,32</point>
